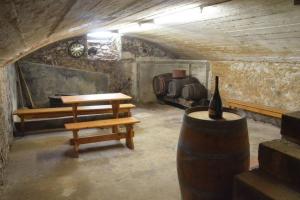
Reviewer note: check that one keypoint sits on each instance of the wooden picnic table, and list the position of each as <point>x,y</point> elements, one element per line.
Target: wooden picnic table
<point>113,98</point>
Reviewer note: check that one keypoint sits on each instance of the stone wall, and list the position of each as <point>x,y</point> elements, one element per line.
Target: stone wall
<point>51,66</point>
<point>105,48</point>
<point>8,103</point>
<point>271,84</point>
<point>140,48</point>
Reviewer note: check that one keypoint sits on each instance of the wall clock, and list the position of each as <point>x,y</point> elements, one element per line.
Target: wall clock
<point>76,49</point>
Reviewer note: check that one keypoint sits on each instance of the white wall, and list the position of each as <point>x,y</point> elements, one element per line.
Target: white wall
<point>148,68</point>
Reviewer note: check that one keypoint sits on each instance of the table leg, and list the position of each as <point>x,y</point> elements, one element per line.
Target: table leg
<point>74,110</point>
<point>115,109</point>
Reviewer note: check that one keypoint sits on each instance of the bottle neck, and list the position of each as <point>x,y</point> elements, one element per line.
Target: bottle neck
<point>217,83</point>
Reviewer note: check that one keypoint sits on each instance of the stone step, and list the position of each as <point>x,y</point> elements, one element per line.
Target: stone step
<point>256,185</point>
<point>281,159</point>
<point>290,126</point>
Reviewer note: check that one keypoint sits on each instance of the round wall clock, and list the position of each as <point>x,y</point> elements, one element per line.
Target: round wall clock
<point>76,49</point>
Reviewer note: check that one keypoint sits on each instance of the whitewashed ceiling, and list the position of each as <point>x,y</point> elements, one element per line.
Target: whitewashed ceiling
<point>257,30</point>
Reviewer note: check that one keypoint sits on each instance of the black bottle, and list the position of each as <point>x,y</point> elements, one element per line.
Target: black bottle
<point>215,109</point>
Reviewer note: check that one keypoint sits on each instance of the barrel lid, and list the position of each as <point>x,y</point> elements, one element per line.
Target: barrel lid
<point>201,113</point>
<point>204,115</point>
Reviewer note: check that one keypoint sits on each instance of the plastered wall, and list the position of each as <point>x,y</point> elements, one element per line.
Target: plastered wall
<point>274,84</point>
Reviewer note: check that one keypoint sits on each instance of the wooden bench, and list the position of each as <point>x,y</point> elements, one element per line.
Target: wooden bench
<point>263,110</point>
<point>67,111</point>
<point>108,123</point>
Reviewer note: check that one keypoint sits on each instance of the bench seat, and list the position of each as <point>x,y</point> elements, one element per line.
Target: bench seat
<point>39,113</point>
<point>67,111</point>
<point>101,123</point>
<point>264,110</point>
<point>107,123</point>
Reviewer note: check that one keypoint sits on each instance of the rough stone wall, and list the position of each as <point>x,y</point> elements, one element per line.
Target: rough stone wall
<point>271,84</point>
<point>8,103</point>
<point>141,48</point>
<point>108,48</point>
<point>121,74</point>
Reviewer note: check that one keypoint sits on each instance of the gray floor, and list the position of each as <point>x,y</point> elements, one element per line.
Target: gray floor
<point>42,167</point>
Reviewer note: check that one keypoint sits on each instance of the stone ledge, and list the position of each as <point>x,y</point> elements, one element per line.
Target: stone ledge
<point>256,185</point>
<point>290,126</point>
<point>281,159</point>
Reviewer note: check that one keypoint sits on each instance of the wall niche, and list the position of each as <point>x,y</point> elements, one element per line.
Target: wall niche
<point>112,68</point>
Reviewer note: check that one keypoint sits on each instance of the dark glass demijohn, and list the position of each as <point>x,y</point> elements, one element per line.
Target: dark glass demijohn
<point>215,109</point>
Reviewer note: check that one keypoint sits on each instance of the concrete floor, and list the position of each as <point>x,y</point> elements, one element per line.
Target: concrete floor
<point>42,167</point>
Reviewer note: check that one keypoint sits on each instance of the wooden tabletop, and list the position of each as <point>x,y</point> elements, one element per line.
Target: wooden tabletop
<point>94,98</point>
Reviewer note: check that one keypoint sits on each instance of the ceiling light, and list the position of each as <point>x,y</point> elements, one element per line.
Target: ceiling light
<point>188,15</point>
<point>147,25</point>
<point>138,27</point>
<point>101,35</point>
<point>130,28</point>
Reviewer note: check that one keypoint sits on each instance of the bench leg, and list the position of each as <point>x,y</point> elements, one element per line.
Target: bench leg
<point>129,137</point>
<point>115,109</point>
<point>76,145</point>
<point>129,113</point>
<point>74,111</point>
<point>23,126</point>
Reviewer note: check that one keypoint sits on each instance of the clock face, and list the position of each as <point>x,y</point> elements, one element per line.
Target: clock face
<point>76,49</point>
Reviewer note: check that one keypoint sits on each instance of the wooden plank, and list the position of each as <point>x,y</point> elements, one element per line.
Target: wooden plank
<point>20,95</point>
<point>264,110</point>
<point>255,105</point>
<point>257,108</point>
<point>101,123</point>
<point>67,111</point>
<point>94,98</point>
<point>24,84</point>
<point>99,138</point>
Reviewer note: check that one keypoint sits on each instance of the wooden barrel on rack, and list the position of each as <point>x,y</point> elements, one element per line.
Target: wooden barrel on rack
<point>210,153</point>
<point>176,85</point>
<point>195,91</point>
<point>179,73</point>
<point>160,84</point>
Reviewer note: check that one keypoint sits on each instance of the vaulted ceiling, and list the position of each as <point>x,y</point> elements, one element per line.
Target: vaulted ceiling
<point>256,30</point>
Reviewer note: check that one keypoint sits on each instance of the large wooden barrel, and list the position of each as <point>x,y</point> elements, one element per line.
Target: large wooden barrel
<point>161,83</point>
<point>179,73</point>
<point>195,91</point>
<point>210,153</point>
<point>176,85</point>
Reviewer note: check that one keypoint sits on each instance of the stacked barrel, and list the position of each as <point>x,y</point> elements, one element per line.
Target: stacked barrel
<point>177,84</point>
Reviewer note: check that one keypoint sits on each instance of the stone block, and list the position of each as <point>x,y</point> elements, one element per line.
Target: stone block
<point>281,159</point>
<point>256,185</point>
<point>290,126</point>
